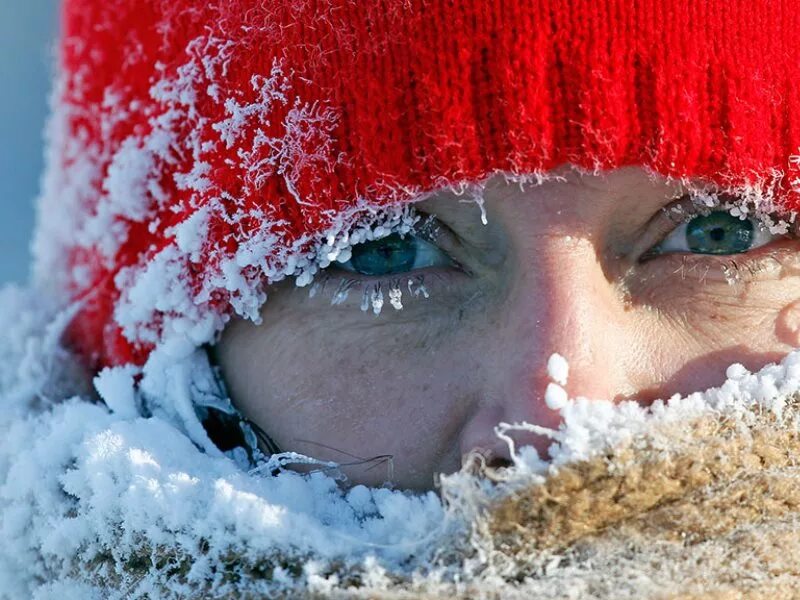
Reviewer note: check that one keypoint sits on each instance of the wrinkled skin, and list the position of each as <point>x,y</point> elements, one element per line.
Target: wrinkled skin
<point>560,267</point>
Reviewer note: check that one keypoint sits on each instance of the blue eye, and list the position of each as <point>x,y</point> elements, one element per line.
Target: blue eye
<point>394,254</point>
<point>717,233</point>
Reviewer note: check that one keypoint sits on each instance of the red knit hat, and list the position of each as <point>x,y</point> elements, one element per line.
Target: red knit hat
<point>202,150</point>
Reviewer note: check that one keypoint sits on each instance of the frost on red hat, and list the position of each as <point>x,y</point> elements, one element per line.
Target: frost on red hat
<point>202,150</point>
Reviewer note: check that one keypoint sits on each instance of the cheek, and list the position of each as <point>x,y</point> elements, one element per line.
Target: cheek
<point>695,334</point>
<point>346,380</point>
<point>787,325</point>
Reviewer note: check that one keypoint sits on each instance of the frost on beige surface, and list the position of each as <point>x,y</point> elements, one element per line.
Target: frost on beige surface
<point>701,509</point>
<point>706,509</point>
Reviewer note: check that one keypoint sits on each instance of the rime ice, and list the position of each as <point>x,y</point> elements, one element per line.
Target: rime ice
<point>555,397</point>
<point>558,368</point>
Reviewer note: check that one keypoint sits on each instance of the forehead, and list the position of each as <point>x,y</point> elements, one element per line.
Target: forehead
<point>627,194</point>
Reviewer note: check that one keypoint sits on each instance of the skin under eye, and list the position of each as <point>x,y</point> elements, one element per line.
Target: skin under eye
<point>393,255</point>
<point>717,233</point>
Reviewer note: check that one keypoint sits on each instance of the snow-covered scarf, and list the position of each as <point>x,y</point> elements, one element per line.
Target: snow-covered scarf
<point>694,497</point>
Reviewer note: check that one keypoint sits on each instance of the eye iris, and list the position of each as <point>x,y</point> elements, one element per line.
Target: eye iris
<point>719,233</point>
<point>391,254</point>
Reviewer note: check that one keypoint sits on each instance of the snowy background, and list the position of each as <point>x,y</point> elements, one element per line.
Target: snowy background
<point>27,30</point>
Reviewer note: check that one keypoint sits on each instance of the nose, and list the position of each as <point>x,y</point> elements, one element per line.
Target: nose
<point>560,302</point>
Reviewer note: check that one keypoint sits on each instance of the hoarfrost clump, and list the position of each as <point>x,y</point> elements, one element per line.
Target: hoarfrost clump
<point>558,368</point>
<point>396,298</point>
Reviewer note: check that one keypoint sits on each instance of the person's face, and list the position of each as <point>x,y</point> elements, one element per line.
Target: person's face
<point>592,267</point>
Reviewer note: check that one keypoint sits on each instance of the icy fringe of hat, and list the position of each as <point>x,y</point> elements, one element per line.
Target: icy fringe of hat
<point>97,502</point>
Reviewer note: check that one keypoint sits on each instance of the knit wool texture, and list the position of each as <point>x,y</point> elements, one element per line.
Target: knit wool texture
<point>201,151</point>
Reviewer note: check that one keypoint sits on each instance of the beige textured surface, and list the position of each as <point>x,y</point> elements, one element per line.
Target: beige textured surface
<point>701,510</point>
<point>706,509</point>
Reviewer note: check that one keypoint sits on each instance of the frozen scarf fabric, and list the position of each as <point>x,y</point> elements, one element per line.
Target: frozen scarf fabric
<point>693,498</point>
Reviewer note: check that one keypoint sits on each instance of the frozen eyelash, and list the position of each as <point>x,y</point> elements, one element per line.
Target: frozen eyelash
<point>375,294</point>
<point>371,291</point>
<point>738,273</point>
<point>734,272</point>
<point>743,205</point>
<point>342,291</point>
<point>361,225</point>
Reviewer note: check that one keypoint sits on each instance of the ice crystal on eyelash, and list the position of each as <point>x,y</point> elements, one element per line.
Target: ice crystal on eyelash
<point>365,297</point>
<point>372,293</point>
<point>736,273</point>
<point>314,289</point>
<point>751,202</point>
<point>396,298</point>
<point>760,200</point>
<point>336,247</point>
<point>732,273</point>
<point>363,225</point>
<point>342,291</point>
<point>420,289</point>
<point>376,299</point>
<point>707,200</point>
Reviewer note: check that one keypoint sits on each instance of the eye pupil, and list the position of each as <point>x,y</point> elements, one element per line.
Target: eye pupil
<point>719,233</point>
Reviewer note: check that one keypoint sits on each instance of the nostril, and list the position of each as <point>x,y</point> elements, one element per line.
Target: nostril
<point>481,460</point>
<point>498,462</point>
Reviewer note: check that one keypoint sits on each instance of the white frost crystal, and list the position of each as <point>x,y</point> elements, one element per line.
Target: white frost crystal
<point>736,371</point>
<point>558,368</point>
<point>396,298</point>
<point>376,299</point>
<point>555,396</point>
